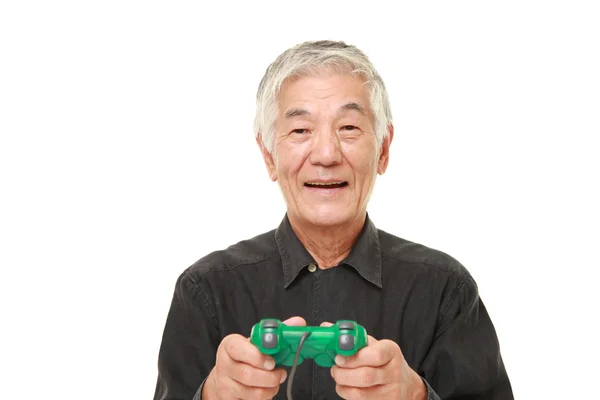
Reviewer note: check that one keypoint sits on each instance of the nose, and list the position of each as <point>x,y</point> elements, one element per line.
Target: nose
<point>326,149</point>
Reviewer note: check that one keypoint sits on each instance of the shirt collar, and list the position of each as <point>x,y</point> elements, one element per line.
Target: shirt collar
<point>365,256</point>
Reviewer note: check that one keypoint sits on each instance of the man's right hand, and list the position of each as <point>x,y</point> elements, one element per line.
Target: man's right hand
<point>243,372</point>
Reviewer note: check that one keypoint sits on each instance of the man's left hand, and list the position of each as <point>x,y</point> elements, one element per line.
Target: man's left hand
<point>377,371</point>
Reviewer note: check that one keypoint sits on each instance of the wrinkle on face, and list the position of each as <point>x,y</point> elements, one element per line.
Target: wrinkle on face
<point>322,106</point>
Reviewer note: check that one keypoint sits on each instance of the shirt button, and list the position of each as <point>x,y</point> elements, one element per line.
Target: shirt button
<point>312,267</point>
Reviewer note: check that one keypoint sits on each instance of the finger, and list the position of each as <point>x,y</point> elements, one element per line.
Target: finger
<point>235,390</point>
<point>373,392</point>
<point>360,377</point>
<point>371,340</point>
<point>377,354</point>
<point>295,321</point>
<point>327,324</point>
<point>239,348</point>
<point>349,392</point>
<point>348,361</point>
<point>250,376</point>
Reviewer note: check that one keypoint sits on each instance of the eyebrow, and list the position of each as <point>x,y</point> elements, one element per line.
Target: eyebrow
<point>296,112</point>
<point>355,107</point>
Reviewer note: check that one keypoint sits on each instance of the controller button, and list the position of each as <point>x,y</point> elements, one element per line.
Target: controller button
<point>346,325</point>
<point>346,342</point>
<point>269,340</point>
<point>270,323</point>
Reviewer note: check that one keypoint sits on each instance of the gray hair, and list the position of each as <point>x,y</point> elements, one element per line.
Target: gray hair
<point>311,58</point>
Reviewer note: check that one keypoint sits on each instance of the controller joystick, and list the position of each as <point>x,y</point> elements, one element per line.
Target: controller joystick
<point>319,343</point>
<point>290,345</point>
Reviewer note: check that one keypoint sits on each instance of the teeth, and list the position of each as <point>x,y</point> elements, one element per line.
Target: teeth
<point>325,184</point>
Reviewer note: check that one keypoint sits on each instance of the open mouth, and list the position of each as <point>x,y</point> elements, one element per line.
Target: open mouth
<point>327,185</point>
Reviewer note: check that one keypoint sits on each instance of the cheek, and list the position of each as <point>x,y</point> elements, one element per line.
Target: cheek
<point>364,165</point>
<point>290,163</point>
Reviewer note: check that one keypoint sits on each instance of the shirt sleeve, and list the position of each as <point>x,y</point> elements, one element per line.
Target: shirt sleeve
<point>431,394</point>
<point>198,395</point>
<point>464,361</point>
<point>189,344</point>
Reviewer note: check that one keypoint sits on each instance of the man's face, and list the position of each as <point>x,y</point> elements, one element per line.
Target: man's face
<point>325,154</point>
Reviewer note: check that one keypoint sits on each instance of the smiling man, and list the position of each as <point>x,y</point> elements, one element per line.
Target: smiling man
<point>324,128</point>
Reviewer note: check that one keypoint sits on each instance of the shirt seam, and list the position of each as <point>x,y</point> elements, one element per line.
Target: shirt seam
<point>282,251</point>
<point>227,267</point>
<point>454,296</point>
<point>463,277</point>
<point>466,278</point>
<point>207,306</point>
<point>440,267</point>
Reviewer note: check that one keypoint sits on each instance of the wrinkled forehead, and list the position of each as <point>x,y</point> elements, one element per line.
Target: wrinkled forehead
<point>341,90</point>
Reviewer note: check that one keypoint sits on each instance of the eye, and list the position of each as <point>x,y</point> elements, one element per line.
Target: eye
<point>300,131</point>
<point>348,128</point>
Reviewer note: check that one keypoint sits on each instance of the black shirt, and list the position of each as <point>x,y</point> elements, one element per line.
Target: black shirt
<point>422,299</point>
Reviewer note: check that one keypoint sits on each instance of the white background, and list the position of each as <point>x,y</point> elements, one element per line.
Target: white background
<point>127,153</point>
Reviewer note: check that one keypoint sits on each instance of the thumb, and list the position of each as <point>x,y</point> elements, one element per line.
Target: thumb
<point>295,321</point>
<point>326,324</point>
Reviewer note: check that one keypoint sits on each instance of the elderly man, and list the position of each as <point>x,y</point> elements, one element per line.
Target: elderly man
<point>324,128</point>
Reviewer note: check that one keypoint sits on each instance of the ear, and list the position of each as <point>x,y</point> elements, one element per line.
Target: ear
<point>384,156</point>
<point>268,158</point>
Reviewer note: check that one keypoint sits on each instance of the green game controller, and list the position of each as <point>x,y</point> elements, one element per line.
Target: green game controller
<point>319,343</point>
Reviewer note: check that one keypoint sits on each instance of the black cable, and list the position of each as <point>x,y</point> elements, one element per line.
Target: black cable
<point>294,365</point>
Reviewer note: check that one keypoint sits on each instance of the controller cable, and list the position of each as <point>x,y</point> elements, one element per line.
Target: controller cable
<point>294,365</point>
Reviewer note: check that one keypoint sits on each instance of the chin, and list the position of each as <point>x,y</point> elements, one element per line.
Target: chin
<point>327,216</point>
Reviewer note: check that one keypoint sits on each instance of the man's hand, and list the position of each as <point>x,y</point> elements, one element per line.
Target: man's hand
<point>243,372</point>
<point>377,371</point>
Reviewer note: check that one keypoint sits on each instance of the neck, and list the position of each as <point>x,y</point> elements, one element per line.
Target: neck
<point>331,244</point>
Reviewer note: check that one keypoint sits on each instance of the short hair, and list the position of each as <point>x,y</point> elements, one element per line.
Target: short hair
<point>312,58</point>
